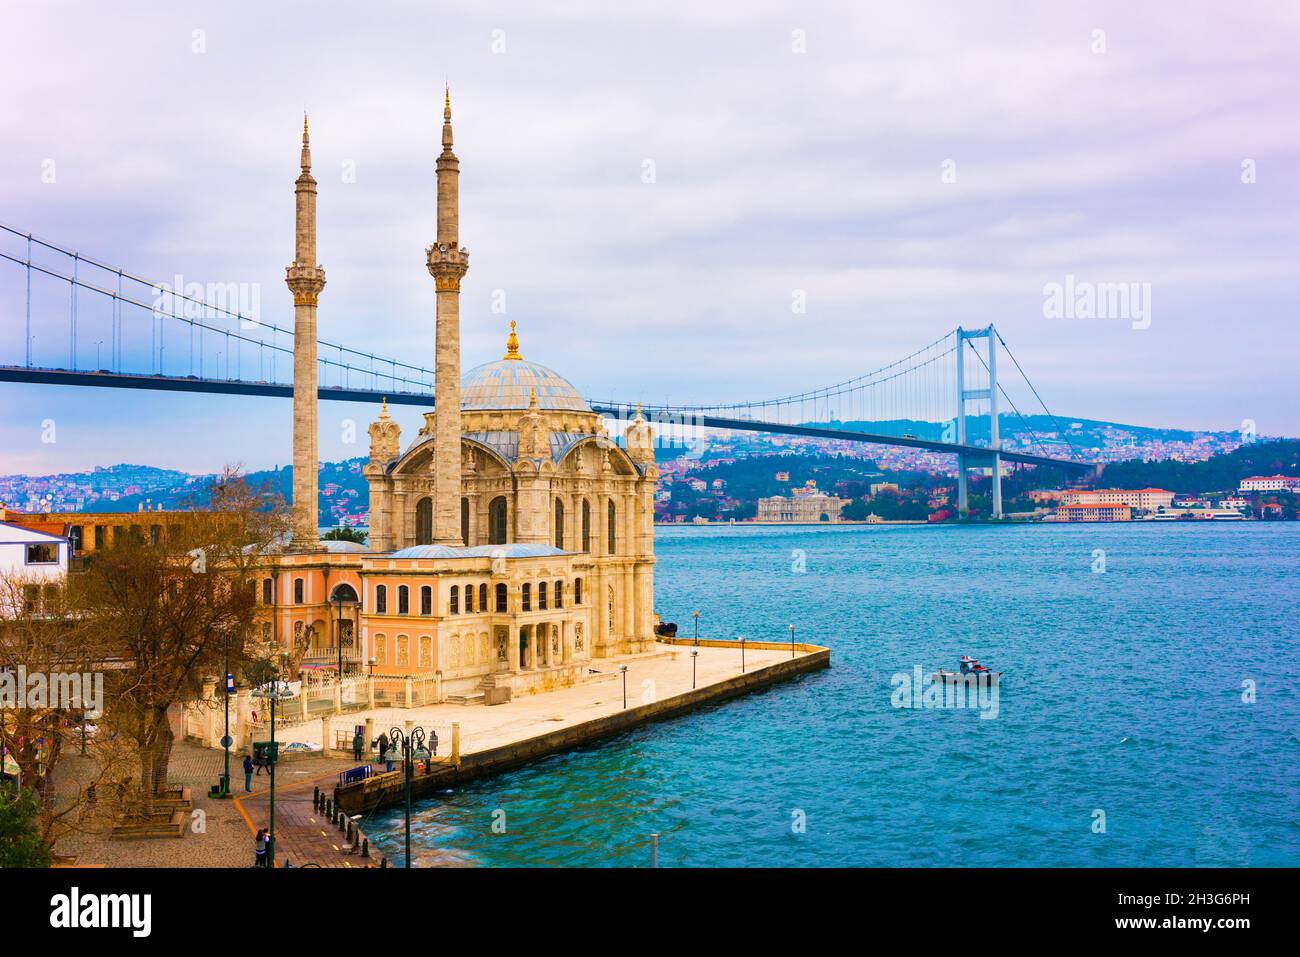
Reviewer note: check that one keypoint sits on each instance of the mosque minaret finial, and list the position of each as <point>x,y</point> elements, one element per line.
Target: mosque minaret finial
<point>512,345</point>
<point>447,261</point>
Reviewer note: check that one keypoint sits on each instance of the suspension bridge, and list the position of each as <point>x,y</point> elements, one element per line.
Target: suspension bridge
<point>87,323</point>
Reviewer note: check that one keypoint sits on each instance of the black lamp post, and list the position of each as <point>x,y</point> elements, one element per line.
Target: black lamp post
<point>696,616</point>
<point>694,655</point>
<point>410,744</point>
<point>791,641</point>
<point>623,668</point>
<point>225,737</point>
<point>742,652</point>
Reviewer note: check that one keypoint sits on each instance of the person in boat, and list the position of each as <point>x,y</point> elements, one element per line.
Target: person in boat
<point>977,668</point>
<point>965,664</point>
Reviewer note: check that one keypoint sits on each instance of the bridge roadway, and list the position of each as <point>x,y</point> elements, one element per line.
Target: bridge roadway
<point>975,455</point>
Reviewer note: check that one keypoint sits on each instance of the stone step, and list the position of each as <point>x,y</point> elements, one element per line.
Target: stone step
<point>474,697</point>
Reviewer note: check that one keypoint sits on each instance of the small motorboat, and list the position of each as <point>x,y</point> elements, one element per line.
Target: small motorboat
<point>969,668</point>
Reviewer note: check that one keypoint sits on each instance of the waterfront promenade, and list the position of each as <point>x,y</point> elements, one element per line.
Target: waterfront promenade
<point>524,728</point>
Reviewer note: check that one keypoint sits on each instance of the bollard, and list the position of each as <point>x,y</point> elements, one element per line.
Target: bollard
<point>349,830</point>
<point>342,817</point>
<point>365,847</point>
<point>383,862</point>
<point>315,799</point>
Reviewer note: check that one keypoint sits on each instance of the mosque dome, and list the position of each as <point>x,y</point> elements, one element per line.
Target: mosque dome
<point>508,383</point>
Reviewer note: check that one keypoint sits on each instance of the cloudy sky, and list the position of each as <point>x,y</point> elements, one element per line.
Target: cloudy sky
<point>910,167</point>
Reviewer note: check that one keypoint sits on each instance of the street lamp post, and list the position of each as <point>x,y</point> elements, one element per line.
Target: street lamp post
<point>694,655</point>
<point>623,668</point>
<point>791,641</point>
<point>411,743</point>
<point>696,616</point>
<point>742,652</point>
<point>273,694</point>
<point>225,737</point>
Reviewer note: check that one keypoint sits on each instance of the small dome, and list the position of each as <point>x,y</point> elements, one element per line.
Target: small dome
<point>507,383</point>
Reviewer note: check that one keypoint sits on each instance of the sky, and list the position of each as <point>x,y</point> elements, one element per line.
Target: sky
<point>900,168</point>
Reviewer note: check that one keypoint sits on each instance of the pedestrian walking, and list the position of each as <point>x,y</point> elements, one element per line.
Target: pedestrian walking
<point>260,844</point>
<point>248,773</point>
<point>433,743</point>
<point>383,747</point>
<point>357,743</point>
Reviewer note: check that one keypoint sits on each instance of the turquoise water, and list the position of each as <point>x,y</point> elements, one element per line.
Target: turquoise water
<point>1122,696</point>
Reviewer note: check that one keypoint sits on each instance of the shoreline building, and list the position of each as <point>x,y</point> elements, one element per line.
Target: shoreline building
<point>1094,512</point>
<point>807,504</point>
<point>1269,483</point>
<point>511,539</point>
<point>1138,499</point>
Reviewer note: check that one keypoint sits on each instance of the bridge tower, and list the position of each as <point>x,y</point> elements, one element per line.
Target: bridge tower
<point>305,278</point>
<point>448,261</point>
<point>965,395</point>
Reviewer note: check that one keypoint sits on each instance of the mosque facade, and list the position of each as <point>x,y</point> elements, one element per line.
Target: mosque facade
<point>511,538</point>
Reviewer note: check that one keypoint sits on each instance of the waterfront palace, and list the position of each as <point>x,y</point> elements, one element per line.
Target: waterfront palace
<point>511,539</point>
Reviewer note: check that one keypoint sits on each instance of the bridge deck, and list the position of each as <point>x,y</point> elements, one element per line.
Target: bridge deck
<point>975,455</point>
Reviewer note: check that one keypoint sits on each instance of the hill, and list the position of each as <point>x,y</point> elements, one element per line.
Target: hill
<point>1220,473</point>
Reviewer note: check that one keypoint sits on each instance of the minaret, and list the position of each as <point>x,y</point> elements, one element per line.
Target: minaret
<point>306,279</point>
<point>447,262</point>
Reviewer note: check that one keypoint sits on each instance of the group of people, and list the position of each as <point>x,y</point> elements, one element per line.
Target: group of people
<point>384,745</point>
<point>262,842</point>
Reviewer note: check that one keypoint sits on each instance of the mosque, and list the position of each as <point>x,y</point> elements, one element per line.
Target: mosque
<point>511,539</point>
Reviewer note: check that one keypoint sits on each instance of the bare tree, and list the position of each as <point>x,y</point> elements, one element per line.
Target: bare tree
<point>52,677</point>
<point>174,609</point>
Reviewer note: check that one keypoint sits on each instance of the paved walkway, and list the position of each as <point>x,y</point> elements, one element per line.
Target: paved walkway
<point>663,673</point>
<point>221,835</point>
<point>306,837</point>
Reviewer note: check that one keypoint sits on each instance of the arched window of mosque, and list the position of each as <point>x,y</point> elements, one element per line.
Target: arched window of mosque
<point>559,524</point>
<point>426,651</point>
<point>469,599</point>
<point>503,597</point>
<point>482,597</point>
<point>586,525</point>
<point>611,518</point>
<point>497,515</point>
<point>381,650</point>
<point>403,600</point>
<point>453,601</point>
<point>541,596</point>
<point>464,520</point>
<point>426,600</point>
<point>424,521</point>
<point>526,597</point>
<point>267,592</point>
<point>577,591</point>
<point>381,599</point>
<point>297,591</point>
<point>559,594</point>
<point>403,650</point>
